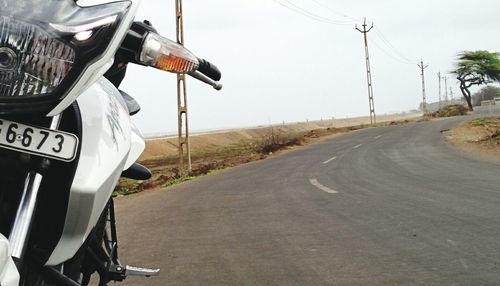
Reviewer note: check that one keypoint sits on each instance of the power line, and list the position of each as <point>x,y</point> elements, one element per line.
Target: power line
<point>328,20</point>
<point>391,46</point>
<point>335,12</point>
<point>297,9</point>
<point>399,57</point>
<point>389,54</point>
<point>395,54</point>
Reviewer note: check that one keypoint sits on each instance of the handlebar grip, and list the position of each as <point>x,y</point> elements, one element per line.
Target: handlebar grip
<point>210,70</point>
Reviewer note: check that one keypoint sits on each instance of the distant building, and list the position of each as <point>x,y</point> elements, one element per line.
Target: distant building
<point>489,102</point>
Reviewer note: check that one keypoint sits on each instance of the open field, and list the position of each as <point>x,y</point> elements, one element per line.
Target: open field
<point>206,142</point>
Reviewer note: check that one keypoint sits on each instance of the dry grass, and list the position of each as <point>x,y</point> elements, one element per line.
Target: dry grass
<point>479,136</point>
<point>451,110</point>
<point>490,128</point>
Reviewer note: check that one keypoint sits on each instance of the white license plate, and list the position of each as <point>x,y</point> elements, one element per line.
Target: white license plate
<point>38,141</point>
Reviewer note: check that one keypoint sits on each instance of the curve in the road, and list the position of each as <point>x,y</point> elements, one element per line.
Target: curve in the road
<point>409,210</point>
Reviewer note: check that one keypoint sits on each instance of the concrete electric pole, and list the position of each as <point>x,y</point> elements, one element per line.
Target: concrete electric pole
<point>439,76</point>
<point>424,101</point>
<point>373,118</point>
<point>182,110</point>
<point>446,90</point>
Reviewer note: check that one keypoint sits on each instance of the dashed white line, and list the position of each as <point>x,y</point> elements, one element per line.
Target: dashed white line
<point>464,264</point>
<point>357,146</point>
<point>378,137</point>
<point>329,160</point>
<point>315,183</point>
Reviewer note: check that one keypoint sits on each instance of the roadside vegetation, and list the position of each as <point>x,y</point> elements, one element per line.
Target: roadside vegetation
<point>450,110</point>
<point>475,68</point>
<point>490,128</point>
<point>480,137</point>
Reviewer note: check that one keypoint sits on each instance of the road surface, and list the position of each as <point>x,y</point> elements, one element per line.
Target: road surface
<point>381,206</point>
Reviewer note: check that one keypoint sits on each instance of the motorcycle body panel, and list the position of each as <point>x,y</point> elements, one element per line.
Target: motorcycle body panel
<point>99,67</point>
<point>9,276</point>
<point>105,148</point>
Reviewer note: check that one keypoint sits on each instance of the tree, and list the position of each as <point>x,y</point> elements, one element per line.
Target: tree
<point>476,68</point>
<point>486,93</point>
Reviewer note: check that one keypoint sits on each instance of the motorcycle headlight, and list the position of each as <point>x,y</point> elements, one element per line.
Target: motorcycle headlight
<point>46,45</point>
<point>32,61</point>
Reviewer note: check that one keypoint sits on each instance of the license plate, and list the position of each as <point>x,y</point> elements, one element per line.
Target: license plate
<point>38,141</point>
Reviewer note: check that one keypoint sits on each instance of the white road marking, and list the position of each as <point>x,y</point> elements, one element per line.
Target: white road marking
<point>378,137</point>
<point>315,183</point>
<point>454,243</point>
<point>357,146</point>
<point>464,264</point>
<point>329,160</point>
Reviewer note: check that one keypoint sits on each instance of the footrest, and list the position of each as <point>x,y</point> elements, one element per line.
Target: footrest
<point>137,271</point>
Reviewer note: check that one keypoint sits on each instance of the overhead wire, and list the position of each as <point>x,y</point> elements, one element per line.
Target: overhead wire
<point>394,54</point>
<point>384,39</point>
<point>300,10</point>
<point>336,12</point>
<point>388,54</point>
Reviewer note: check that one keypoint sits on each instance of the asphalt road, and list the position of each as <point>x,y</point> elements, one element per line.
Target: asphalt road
<point>381,206</point>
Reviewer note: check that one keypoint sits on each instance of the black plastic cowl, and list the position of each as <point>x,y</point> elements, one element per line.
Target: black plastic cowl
<point>137,172</point>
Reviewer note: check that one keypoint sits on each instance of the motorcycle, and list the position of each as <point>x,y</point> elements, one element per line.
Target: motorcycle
<point>66,136</point>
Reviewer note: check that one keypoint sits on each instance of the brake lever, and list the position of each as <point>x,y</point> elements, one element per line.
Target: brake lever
<point>201,77</point>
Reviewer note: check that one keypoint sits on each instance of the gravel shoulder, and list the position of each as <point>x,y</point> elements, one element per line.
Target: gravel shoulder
<point>477,137</point>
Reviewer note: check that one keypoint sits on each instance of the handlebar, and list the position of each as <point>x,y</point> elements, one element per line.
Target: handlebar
<point>144,46</point>
<point>201,77</point>
<point>209,69</point>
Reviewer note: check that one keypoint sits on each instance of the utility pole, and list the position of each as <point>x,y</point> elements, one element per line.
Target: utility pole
<point>446,90</point>
<point>439,76</point>
<point>451,94</point>
<point>424,101</point>
<point>182,110</point>
<point>373,118</point>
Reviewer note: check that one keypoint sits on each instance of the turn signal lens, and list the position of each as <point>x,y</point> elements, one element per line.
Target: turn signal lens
<point>164,54</point>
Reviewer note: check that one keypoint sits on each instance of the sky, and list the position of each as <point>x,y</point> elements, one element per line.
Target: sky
<point>297,60</point>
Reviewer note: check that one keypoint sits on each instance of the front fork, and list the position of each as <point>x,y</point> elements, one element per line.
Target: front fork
<point>23,221</point>
<point>103,254</point>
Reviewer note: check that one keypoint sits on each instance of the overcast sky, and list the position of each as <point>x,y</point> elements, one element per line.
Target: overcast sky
<point>281,65</point>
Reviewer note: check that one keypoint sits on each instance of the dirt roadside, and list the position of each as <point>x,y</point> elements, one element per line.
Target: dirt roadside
<point>478,137</point>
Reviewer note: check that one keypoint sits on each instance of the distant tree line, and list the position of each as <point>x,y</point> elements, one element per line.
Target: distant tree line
<point>486,93</point>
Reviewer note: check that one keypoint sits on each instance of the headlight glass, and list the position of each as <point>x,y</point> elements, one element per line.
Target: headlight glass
<point>32,62</point>
<point>47,45</point>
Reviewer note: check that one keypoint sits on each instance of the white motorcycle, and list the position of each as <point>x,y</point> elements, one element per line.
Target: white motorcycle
<point>66,135</point>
